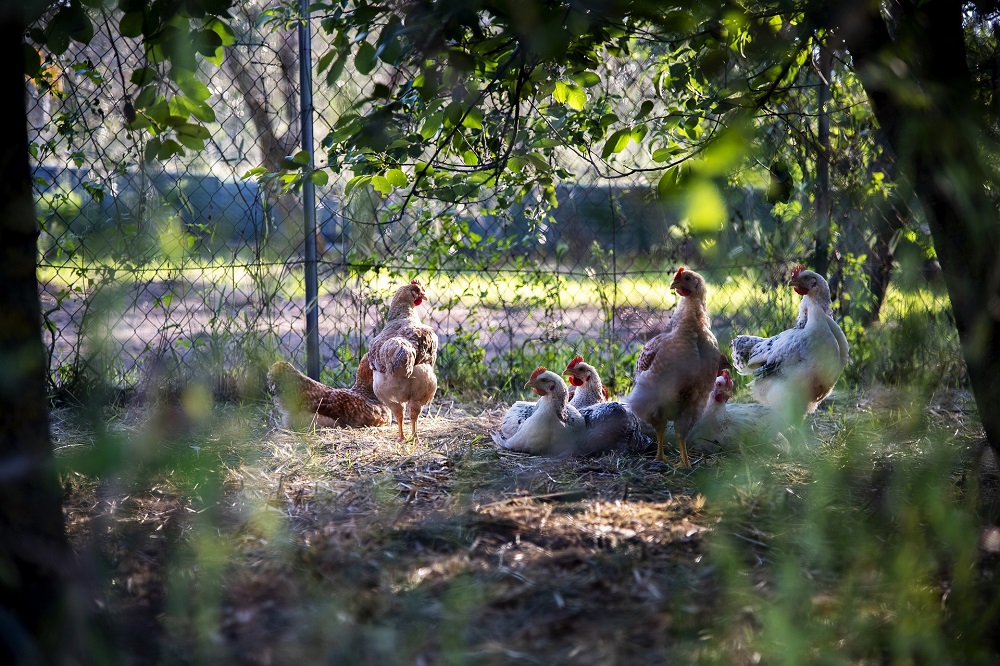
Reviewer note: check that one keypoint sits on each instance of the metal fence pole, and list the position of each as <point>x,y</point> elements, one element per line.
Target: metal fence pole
<point>309,196</point>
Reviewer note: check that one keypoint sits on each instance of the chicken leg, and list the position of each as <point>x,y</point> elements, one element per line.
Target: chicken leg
<point>682,445</point>
<point>414,415</point>
<point>397,413</point>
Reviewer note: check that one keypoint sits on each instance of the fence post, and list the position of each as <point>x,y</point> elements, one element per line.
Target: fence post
<point>309,195</point>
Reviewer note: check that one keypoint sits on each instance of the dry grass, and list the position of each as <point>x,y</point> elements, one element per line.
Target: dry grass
<point>347,546</point>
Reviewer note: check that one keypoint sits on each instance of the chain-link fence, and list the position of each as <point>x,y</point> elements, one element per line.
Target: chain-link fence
<point>152,269</point>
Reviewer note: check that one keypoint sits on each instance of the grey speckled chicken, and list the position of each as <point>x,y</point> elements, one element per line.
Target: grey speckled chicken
<point>796,369</point>
<point>612,426</point>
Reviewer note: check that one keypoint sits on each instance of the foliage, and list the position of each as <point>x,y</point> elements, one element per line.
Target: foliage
<point>171,99</point>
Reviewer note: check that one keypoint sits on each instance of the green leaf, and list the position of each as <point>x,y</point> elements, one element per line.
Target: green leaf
<point>432,125</point>
<point>143,76</point>
<point>151,149</point>
<point>577,98</point>
<point>193,88</point>
<point>194,143</point>
<point>587,79</point>
<point>668,153</point>
<point>644,109</point>
<point>325,60</point>
<point>473,119</point>
<point>355,182</point>
<point>364,60</point>
<point>319,178</point>
<point>561,92</point>
<point>168,149</point>
<point>616,143</point>
<point>193,131</point>
<point>224,31</point>
<point>336,69</point>
<point>381,185</point>
<point>470,158</point>
<point>396,177</point>
<point>301,157</point>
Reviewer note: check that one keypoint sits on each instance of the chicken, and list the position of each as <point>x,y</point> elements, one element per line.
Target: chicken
<point>796,369</point>
<point>304,401</point>
<point>587,386</point>
<point>677,368</point>
<point>589,391</point>
<point>554,427</point>
<point>724,425</point>
<point>402,357</point>
<point>558,428</point>
<point>611,426</point>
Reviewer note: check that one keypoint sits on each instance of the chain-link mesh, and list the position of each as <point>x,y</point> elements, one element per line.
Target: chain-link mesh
<point>186,267</point>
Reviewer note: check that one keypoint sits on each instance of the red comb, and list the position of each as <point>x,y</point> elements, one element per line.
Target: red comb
<point>725,373</point>
<point>577,360</point>
<point>414,282</point>
<point>798,269</point>
<point>678,273</point>
<point>539,370</point>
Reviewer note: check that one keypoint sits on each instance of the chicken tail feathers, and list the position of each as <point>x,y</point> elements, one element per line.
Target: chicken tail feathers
<point>498,439</point>
<point>397,354</point>
<point>744,347</point>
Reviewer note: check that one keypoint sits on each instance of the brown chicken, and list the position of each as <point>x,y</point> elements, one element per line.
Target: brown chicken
<point>676,370</point>
<point>403,356</point>
<point>304,401</point>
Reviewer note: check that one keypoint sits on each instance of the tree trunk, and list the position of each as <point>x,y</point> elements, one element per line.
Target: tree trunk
<point>936,139</point>
<point>34,555</point>
<point>821,255</point>
<point>888,221</point>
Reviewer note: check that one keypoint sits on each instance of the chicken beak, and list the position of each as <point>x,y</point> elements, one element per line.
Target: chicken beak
<point>529,384</point>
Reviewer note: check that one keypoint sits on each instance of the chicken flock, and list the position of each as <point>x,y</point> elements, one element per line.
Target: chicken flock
<point>681,378</point>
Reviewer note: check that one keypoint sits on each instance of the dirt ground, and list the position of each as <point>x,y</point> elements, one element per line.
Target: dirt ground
<point>238,541</point>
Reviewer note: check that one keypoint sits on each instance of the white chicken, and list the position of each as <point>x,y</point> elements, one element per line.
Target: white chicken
<point>557,428</point>
<point>676,369</point>
<point>554,427</point>
<point>796,369</point>
<point>588,391</point>
<point>725,426</point>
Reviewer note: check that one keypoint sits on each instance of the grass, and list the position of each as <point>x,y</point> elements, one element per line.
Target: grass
<point>732,295</point>
<point>236,541</point>
<point>496,328</point>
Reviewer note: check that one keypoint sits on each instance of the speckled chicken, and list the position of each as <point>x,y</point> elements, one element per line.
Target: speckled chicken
<point>676,369</point>
<point>303,401</point>
<point>588,391</point>
<point>612,426</point>
<point>796,369</point>
<point>402,357</point>
<point>727,426</point>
